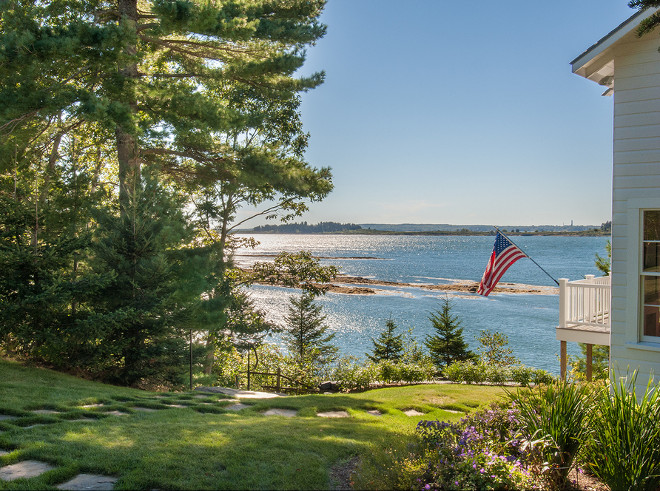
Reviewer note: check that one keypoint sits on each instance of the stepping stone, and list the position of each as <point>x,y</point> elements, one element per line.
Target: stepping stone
<point>375,412</point>
<point>34,425</point>
<point>26,469</point>
<point>45,411</point>
<point>176,405</point>
<point>87,406</point>
<point>333,414</point>
<point>236,407</point>
<point>4,417</point>
<point>412,412</point>
<point>86,420</point>
<point>287,413</point>
<point>451,411</point>
<point>89,481</point>
<point>200,397</point>
<point>145,409</point>
<point>116,413</point>
<point>3,452</point>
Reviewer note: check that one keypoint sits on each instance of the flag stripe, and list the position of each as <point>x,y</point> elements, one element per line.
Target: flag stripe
<point>505,253</point>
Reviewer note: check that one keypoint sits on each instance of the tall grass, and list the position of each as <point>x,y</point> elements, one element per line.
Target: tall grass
<point>555,422</point>
<point>625,451</point>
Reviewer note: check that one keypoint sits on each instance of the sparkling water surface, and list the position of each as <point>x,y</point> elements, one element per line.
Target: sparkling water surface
<point>528,320</point>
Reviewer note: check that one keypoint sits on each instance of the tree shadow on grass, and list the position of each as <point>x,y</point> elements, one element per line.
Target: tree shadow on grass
<point>190,450</point>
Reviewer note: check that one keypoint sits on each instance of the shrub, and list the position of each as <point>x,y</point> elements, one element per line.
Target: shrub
<point>476,373</point>
<point>625,450</point>
<point>521,375</point>
<point>555,421</point>
<point>464,371</point>
<point>474,453</point>
<point>354,374</point>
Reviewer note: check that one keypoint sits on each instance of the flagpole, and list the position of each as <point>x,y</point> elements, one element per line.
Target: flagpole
<point>527,255</point>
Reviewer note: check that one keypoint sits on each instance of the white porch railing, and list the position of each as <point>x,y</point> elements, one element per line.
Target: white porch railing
<point>585,303</point>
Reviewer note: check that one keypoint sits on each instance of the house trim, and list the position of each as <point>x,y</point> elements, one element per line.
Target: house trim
<point>634,337</point>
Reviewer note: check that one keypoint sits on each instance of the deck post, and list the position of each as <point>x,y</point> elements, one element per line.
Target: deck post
<point>279,383</point>
<point>589,353</point>
<point>563,302</point>
<point>562,373</point>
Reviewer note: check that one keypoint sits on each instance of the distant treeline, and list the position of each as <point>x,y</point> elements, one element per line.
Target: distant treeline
<point>305,228</point>
<point>414,229</point>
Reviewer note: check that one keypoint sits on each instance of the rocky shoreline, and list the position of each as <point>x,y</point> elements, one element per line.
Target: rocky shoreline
<point>356,285</point>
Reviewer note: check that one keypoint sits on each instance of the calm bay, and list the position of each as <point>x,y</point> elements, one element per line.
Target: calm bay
<point>529,320</point>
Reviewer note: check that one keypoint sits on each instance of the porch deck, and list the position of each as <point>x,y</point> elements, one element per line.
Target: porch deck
<point>584,315</point>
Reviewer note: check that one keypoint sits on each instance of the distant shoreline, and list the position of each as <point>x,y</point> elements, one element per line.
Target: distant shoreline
<point>462,233</point>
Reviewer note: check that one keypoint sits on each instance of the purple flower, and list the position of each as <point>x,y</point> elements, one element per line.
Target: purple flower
<point>428,486</point>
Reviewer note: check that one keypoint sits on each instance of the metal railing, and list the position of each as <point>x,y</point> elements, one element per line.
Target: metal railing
<point>585,302</point>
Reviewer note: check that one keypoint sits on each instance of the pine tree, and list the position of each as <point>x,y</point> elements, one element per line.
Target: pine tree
<point>144,308</point>
<point>305,334</point>
<point>388,346</point>
<point>203,95</point>
<point>447,344</point>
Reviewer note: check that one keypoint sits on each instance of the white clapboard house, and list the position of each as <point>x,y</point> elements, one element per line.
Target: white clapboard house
<point>628,67</point>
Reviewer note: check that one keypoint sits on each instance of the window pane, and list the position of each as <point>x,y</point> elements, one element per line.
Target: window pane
<point>652,256</point>
<point>652,225</point>
<point>652,290</point>
<point>651,321</point>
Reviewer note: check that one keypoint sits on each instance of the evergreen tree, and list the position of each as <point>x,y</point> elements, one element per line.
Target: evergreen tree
<point>388,346</point>
<point>604,263</point>
<point>494,349</point>
<point>46,285</point>
<point>203,95</point>
<point>447,344</point>
<point>145,309</point>
<point>305,334</point>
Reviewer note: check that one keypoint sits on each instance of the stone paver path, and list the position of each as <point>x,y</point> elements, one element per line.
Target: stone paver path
<point>287,413</point>
<point>176,405</point>
<point>240,394</point>
<point>333,414</point>
<point>3,452</point>
<point>144,409</point>
<point>4,417</point>
<point>46,411</point>
<point>26,468</point>
<point>375,412</point>
<point>412,412</point>
<point>116,413</point>
<point>236,407</point>
<point>87,406</point>
<point>89,481</point>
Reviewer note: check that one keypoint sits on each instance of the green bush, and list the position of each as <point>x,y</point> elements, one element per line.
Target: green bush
<point>521,375</point>
<point>625,450</point>
<point>477,373</point>
<point>555,421</point>
<point>354,374</point>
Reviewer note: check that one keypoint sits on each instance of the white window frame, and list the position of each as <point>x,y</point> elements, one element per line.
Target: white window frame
<point>635,338</point>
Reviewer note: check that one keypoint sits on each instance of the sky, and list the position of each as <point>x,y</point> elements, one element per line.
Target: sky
<point>436,111</point>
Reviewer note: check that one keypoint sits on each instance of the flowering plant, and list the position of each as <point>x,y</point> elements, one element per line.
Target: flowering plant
<point>478,452</point>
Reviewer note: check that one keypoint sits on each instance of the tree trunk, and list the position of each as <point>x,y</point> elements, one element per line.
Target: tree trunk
<point>127,145</point>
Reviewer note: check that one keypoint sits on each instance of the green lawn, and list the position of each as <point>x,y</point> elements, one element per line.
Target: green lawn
<point>204,445</point>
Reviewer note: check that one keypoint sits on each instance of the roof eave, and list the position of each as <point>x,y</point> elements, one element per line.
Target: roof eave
<point>597,62</point>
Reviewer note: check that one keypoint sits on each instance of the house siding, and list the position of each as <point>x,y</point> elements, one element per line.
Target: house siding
<point>636,184</point>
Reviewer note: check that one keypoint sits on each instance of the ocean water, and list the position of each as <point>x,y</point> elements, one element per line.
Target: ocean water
<point>528,320</point>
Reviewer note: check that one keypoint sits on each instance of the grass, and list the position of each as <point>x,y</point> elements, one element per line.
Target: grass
<point>205,446</point>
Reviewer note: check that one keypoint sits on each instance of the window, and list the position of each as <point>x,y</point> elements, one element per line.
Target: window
<point>650,276</point>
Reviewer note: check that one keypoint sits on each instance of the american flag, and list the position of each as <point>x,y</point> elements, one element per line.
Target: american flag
<point>505,253</point>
